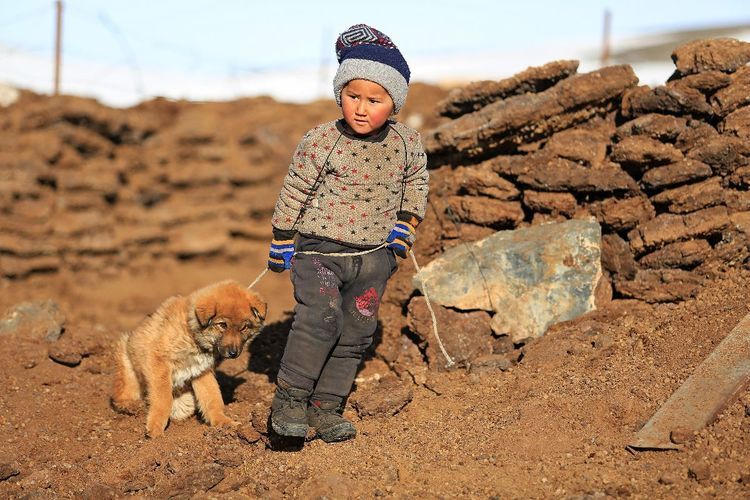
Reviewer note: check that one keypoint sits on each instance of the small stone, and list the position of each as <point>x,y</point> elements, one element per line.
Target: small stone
<point>388,398</point>
<point>64,355</point>
<point>490,362</point>
<point>139,483</point>
<point>667,478</point>
<point>680,435</point>
<point>603,341</point>
<point>198,479</point>
<point>7,471</point>
<point>248,433</point>
<point>227,457</point>
<point>699,472</point>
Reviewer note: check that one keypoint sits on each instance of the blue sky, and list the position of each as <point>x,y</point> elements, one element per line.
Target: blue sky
<point>218,49</point>
<point>244,36</point>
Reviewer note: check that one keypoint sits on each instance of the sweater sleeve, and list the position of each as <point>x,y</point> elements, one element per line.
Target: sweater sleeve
<point>416,184</point>
<point>297,188</point>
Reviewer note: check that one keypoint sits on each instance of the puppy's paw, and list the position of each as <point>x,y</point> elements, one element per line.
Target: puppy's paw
<point>154,433</point>
<point>155,429</point>
<point>224,421</point>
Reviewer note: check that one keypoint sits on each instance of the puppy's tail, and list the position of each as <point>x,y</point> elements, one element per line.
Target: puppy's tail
<point>126,390</point>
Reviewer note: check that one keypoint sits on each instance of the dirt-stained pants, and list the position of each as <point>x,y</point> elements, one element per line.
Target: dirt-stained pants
<point>335,316</point>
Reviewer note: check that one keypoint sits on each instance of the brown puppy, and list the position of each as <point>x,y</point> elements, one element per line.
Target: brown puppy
<point>171,355</point>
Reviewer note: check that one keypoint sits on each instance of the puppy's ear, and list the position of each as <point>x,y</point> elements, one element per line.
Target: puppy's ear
<point>258,315</point>
<point>205,311</point>
<point>259,308</point>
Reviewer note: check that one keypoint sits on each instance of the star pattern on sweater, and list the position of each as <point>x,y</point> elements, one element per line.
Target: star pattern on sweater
<point>364,187</point>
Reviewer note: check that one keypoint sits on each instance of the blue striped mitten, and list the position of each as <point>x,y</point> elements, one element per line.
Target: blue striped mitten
<point>402,236</point>
<point>280,256</point>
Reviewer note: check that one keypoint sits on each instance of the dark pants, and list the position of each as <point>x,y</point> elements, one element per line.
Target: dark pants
<point>335,317</point>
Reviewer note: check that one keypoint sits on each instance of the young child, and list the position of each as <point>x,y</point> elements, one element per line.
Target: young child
<point>358,186</point>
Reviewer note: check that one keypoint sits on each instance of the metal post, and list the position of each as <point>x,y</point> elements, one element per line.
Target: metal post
<point>58,45</point>
<point>605,37</point>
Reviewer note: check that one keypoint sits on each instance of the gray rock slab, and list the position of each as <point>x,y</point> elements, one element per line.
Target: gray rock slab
<point>41,319</point>
<point>530,278</point>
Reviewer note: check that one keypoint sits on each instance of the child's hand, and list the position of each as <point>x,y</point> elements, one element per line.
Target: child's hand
<point>280,256</point>
<point>401,238</point>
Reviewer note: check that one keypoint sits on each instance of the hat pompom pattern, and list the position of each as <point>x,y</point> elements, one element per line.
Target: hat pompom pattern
<point>361,34</point>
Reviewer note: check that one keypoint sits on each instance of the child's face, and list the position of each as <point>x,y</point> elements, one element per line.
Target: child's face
<point>366,106</point>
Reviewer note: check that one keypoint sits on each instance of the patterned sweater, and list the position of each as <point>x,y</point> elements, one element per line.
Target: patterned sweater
<point>352,189</point>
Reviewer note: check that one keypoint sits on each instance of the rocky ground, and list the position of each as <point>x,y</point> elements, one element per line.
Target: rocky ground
<point>105,213</point>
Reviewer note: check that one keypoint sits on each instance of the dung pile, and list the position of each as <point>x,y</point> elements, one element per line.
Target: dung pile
<point>664,170</point>
<point>85,186</point>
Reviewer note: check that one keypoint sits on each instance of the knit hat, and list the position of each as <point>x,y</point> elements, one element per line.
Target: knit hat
<point>365,53</point>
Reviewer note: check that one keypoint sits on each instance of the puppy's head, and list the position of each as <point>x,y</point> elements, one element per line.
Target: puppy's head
<point>224,316</point>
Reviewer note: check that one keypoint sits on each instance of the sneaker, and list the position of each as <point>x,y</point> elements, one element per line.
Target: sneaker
<point>289,411</point>
<point>330,426</point>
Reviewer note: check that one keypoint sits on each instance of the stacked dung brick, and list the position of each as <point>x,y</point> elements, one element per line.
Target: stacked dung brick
<point>664,170</point>
<point>85,186</point>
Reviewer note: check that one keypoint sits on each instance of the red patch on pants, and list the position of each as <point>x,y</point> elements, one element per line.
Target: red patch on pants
<point>367,303</point>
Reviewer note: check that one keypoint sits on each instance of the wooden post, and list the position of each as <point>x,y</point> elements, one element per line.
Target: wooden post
<point>605,38</point>
<point>58,45</point>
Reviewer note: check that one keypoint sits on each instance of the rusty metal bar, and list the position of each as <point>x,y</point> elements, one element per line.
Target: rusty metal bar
<point>714,384</point>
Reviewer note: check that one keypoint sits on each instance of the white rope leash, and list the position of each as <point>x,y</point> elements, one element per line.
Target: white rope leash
<point>432,313</point>
<point>256,280</point>
<point>344,254</point>
<point>449,360</point>
<point>311,252</point>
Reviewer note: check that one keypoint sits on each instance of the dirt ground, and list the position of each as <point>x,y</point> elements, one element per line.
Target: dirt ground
<point>554,425</point>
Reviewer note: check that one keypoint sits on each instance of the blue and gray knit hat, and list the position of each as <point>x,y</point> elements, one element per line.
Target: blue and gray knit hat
<point>365,53</point>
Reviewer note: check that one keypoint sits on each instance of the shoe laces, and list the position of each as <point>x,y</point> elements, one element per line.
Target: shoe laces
<point>295,398</point>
